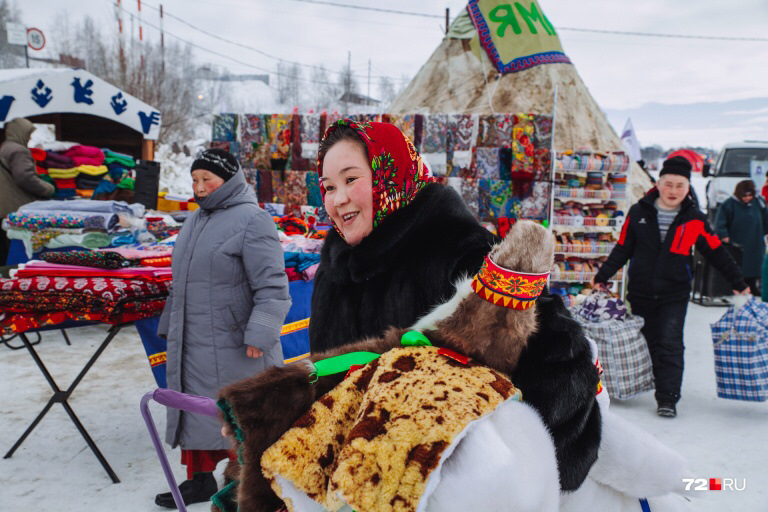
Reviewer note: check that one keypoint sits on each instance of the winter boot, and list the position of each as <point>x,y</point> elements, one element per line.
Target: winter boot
<point>666,409</point>
<point>199,489</point>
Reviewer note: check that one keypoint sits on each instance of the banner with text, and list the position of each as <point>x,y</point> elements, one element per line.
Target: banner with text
<point>516,35</point>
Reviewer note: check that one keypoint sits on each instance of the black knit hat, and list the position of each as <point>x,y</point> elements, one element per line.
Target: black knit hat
<point>219,161</point>
<point>676,165</point>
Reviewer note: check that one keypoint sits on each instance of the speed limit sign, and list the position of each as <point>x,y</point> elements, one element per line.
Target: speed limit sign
<point>35,38</point>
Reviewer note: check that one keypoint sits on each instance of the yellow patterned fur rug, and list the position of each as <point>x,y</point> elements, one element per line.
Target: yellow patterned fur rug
<point>374,441</point>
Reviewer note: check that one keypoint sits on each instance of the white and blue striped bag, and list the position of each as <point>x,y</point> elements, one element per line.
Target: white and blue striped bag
<point>741,352</point>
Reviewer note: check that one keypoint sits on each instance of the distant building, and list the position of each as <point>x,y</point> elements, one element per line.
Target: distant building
<point>358,99</point>
<point>208,73</point>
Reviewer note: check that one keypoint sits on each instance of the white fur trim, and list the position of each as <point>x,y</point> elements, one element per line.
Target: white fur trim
<point>506,461</point>
<point>632,461</point>
<point>446,309</point>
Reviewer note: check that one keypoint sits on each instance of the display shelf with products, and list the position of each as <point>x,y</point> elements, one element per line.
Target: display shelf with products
<point>589,205</point>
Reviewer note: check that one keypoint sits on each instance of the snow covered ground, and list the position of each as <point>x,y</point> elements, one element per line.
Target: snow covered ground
<point>55,471</point>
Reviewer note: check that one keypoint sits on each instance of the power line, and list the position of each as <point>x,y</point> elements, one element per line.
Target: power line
<point>669,36</point>
<point>248,47</point>
<point>377,9</point>
<point>571,29</point>
<point>231,58</point>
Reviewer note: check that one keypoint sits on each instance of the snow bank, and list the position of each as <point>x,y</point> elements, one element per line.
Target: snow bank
<point>175,177</point>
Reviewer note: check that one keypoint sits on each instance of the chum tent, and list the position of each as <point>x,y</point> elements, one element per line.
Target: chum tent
<point>466,74</point>
<point>82,107</point>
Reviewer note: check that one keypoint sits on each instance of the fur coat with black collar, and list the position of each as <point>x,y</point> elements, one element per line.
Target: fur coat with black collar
<point>405,267</point>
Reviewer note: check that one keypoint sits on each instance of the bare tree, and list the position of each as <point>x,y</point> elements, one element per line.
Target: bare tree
<point>11,56</point>
<point>387,91</point>
<point>326,92</point>
<point>296,81</point>
<point>165,80</point>
<point>404,81</point>
<point>288,83</point>
<point>347,80</point>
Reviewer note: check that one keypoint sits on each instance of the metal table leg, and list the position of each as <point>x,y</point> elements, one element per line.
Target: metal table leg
<point>6,341</point>
<point>61,397</point>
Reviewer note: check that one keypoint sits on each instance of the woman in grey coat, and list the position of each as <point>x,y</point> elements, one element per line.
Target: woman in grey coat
<point>223,317</point>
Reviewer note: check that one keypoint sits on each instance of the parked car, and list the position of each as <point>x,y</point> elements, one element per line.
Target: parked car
<point>736,161</point>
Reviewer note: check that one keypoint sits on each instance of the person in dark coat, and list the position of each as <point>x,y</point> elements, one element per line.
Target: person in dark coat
<point>399,244</point>
<point>743,220</point>
<point>225,311</point>
<point>659,235</point>
<point>19,182</point>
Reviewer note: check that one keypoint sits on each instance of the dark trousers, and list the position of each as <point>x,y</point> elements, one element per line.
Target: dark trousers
<point>754,289</point>
<point>663,331</point>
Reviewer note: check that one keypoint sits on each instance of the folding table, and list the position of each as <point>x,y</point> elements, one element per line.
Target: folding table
<point>62,396</point>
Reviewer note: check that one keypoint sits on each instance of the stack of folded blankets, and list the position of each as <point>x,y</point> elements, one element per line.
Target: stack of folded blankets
<point>113,286</point>
<point>301,254</point>
<point>85,171</point>
<point>76,223</point>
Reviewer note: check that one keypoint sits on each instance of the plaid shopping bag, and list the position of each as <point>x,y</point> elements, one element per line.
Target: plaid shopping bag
<point>623,353</point>
<point>740,340</point>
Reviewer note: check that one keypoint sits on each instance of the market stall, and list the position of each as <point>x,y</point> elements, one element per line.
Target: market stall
<point>82,107</point>
<point>117,287</point>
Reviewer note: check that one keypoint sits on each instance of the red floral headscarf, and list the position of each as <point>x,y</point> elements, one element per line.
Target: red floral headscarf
<point>398,171</point>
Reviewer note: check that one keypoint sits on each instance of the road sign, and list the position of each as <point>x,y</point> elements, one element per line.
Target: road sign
<point>35,38</point>
<point>17,33</point>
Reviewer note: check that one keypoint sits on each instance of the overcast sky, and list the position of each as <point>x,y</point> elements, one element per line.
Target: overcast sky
<point>621,71</point>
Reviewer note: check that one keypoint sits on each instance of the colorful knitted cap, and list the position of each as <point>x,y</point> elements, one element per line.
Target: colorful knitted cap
<point>398,171</point>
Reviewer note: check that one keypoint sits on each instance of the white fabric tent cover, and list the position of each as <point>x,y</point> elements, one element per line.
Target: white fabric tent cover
<point>37,91</point>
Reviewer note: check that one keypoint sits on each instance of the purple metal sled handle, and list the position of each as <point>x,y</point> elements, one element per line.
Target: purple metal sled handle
<point>189,403</point>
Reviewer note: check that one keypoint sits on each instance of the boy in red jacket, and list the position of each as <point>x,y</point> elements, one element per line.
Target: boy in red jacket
<point>658,235</point>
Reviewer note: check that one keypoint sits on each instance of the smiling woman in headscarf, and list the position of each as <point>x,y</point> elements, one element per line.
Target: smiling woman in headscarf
<point>400,241</point>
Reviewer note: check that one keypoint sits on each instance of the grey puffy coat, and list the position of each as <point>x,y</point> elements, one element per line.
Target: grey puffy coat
<point>229,289</point>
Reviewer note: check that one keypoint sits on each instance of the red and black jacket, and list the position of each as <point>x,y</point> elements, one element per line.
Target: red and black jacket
<point>663,269</point>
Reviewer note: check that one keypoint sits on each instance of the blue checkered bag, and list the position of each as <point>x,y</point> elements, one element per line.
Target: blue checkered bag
<point>741,352</point>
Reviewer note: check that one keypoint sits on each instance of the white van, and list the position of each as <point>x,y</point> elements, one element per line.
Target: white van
<point>736,162</point>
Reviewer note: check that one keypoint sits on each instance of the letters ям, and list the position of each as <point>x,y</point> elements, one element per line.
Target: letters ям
<point>505,15</point>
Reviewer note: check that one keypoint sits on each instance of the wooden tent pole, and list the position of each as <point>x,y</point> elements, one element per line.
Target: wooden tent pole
<point>552,159</point>
<point>147,149</point>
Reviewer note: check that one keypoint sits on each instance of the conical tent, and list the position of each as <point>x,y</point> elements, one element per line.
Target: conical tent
<point>460,77</point>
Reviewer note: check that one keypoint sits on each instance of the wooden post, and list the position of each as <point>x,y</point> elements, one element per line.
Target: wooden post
<point>147,149</point>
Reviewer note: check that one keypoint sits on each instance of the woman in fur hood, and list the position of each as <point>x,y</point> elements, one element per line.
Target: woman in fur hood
<point>435,423</point>
<point>399,246</point>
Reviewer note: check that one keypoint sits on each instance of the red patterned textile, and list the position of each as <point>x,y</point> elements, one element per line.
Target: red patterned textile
<point>129,312</point>
<point>151,274</point>
<point>43,294</point>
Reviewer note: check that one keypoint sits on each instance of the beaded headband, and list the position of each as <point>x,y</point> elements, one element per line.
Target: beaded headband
<point>507,288</point>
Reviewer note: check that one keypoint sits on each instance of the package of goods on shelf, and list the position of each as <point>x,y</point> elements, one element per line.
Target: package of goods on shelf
<point>583,193</point>
<point>585,242</point>
<point>618,161</point>
<point>587,161</point>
